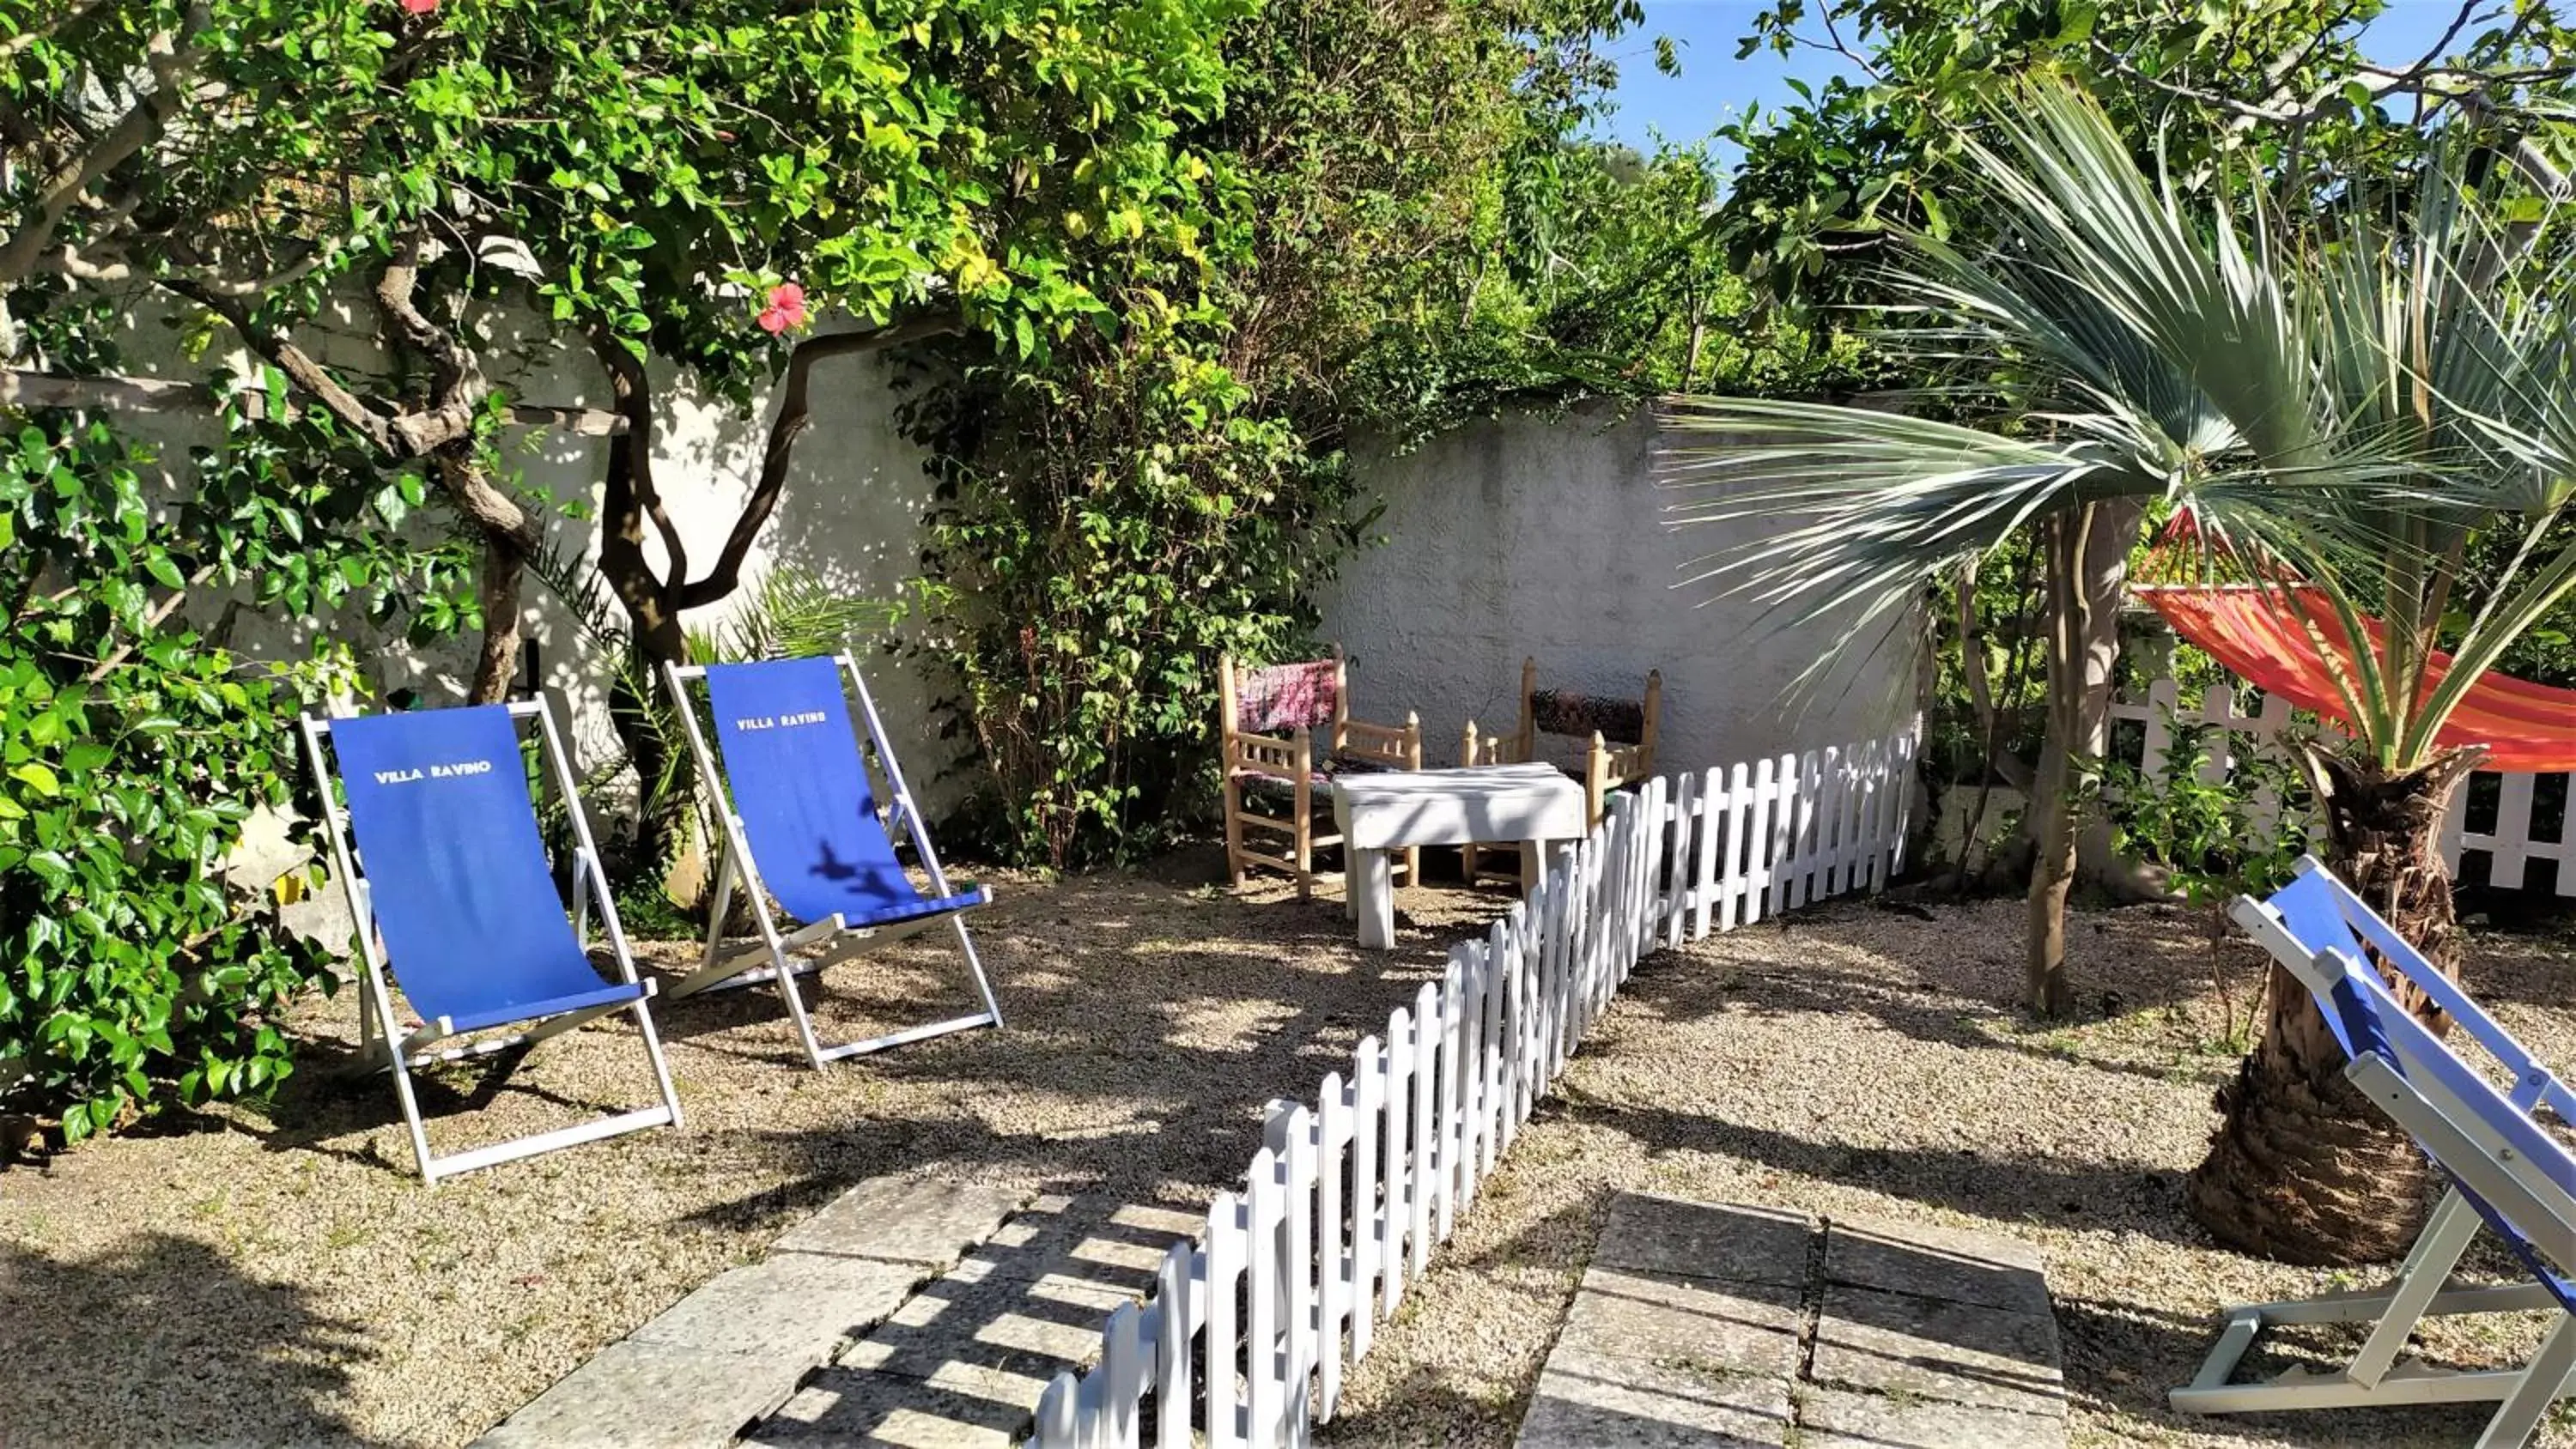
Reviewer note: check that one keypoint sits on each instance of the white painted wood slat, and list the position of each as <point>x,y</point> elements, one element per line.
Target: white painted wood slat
<point>1249,1331</point>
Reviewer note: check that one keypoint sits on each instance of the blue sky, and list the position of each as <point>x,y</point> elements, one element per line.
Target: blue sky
<point>1714,86</point>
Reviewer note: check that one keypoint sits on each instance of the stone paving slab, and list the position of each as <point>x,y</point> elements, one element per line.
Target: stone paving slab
<point>904,1220</point>
<point>1705,1325</point>
<point>1037,1327</point>
<point>1840,1419</point>
<point>962,1362</point>
<point>795,1306</point>
<point>1114,1245</point>
<point>1932,1262</point>
<point>652,1396</point>
<point>1745,1328</point>
<point>1651,1234</point>
<point>1649,1406</point>
<point>843,1406</point>
<point>739,1346</point>
<point>1926,1348</point>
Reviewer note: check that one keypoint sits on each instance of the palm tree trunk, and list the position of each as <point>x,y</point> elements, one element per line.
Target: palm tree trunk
<point>2302,1168</point>
<point>2087,566</point>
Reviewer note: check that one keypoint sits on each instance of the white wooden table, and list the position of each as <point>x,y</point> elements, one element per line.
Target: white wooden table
<point>1380,812</point>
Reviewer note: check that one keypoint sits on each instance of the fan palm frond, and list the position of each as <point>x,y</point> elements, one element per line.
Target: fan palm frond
<point>2349,403</point>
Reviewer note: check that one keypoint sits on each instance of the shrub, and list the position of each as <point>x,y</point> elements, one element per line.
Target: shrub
<point>133,749</point>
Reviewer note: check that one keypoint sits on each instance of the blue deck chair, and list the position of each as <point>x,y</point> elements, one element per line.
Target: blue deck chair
<point>450,890</point>
<point>2484,1140</point>
<point>802,827</point>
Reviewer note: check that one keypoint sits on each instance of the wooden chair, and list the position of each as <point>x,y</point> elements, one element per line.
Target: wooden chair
<point>1285,730</point>
<point>1618,734</point>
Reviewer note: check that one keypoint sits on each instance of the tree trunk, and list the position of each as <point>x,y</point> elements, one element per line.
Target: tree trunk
<point>2302,1168</point>
<point>2087,566</point>
<point>2052,879</point>
<point>497,663</point>
<point>665,782</point>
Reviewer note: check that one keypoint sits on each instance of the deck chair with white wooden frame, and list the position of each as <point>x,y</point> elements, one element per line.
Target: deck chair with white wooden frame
<point>801,827</point>
<point>2484,1140</point>
<point>452,896</point>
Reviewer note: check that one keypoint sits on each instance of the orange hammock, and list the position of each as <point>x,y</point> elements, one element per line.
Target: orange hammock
<point>2257,634</point>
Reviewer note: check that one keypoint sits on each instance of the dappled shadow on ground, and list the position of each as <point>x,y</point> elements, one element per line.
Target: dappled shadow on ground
<point>969,1353</point>
<point>163,1340</point>
<point>1868,1063</point>
<point>2039,1189</point>
<point>1860,1059</point>
<point>2141,970</point>
<point>1148,1026</point>
<point>2126,1355</point>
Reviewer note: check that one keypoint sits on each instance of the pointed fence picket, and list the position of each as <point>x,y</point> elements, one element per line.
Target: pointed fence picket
<point>1249,1331</point>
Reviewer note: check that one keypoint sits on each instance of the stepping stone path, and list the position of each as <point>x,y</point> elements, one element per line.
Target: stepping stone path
<point>905,1312</point>
<point>1700,1325</point>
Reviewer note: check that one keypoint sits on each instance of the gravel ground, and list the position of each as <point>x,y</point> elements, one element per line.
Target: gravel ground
<point>1866,1061</point>
<point>284,1278</point>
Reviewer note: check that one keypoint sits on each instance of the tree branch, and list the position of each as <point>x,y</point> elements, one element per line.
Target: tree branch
<point>11,47</point>
<point>2281,109</point>
<point>628,498</point>
<point>457,378</point>
<point>26,389</point>
<point>794,413</point>
<point>298,366</point>
<point>151,620</point>
<point>171,59</point>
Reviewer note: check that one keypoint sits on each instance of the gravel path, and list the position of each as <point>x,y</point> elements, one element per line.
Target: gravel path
<point>282,1277</point>
<point>285,1279</point>
<point>1863,1061</point>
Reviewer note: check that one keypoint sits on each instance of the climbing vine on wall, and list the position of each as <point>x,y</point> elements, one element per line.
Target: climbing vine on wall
<point>1403,229</point>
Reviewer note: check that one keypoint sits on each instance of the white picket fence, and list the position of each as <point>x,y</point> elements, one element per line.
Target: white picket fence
<point>1249,1330</point>
<point>2509,845</point>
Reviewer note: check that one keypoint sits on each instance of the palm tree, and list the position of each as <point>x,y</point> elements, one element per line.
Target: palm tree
<point>2339,405</point>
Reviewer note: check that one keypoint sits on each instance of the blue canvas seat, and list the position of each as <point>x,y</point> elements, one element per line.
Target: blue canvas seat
<point>449,885</point>
<point>802,827</point>
<point>2505,1171</point>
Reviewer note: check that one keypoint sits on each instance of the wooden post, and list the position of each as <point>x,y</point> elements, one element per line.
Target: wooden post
<point>1653,722</point>
<point>1412,761</point>
<point>1228,785</point>
<point>1304,813</point>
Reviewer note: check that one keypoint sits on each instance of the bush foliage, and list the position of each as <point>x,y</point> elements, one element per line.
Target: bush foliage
<point>1404,230</point>
<point>138,745</point>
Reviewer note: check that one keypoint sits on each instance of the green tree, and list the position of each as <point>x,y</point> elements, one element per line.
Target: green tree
<point>2342,406</point>
<point>452,182</point>
<point>1829,181</point>
<point>691,186</point>
<point>2276,90</point>
<point>1409,233</point>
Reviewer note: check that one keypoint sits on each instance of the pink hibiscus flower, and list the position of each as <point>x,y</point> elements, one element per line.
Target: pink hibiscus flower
<point>786,309</point>
<point>418,7</point>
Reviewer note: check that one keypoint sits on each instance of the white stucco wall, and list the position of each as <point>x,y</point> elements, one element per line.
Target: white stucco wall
<point>1530,536</point>
<point>852,513</point>
<point>1523,536</point>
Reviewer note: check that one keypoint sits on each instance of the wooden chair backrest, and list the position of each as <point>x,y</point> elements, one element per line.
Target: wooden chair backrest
<point>1581,716</point>
<point>1281,699</point>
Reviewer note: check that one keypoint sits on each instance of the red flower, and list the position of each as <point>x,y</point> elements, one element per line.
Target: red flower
<point>418,7</point>
<point>786,309</point>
